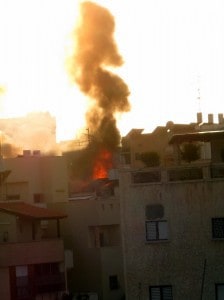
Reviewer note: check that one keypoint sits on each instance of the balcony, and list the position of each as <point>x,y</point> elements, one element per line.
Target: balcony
<point>179,173</point>
<point>50,283</point>
<point>217,171</point>
<point>146,176</point>
<point>191,173</point>
<point>35,252</point>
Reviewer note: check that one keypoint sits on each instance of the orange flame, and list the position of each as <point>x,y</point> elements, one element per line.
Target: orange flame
<point>102,164</point>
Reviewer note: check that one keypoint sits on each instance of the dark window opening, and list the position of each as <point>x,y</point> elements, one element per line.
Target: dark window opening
<point>218,228</point>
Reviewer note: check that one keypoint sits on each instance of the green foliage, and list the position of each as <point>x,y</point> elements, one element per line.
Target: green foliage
<point>190,152</point>
<point>150,159</point>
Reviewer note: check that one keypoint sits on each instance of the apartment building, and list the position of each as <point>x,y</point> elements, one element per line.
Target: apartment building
<point>92,229</point>
<point>90,233</point>
<point>32,257</point>
<point>31,263</point>
<point>37,178</point>
<point>172,223</point>
<point>137,141</point>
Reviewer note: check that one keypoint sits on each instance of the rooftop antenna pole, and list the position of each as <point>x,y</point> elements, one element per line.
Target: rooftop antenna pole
<point>199,95</point>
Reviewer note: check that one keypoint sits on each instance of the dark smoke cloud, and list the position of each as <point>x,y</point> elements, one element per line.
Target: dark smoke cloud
<point>95,52</point>
<point>95,55</point>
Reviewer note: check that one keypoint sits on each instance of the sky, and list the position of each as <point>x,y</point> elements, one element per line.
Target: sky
<point>172,50</point>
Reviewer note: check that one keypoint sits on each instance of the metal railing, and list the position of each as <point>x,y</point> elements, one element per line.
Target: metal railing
<point>178,173</point>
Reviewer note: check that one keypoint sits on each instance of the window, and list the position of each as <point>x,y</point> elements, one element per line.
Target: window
<point>22,282</point>
<point>161,292</point>
<point>218,228</point>
<point>156,230</point>
<point>219,291</point>
<point>113,282</point>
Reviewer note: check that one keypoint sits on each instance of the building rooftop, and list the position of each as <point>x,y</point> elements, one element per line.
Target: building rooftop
<point>204,136</point>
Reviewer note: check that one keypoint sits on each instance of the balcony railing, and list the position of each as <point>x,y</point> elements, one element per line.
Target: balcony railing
<point>146,177</point>
<point>217,171</point>
<point>180,173</point>
<point>185,174</point>
<point>50,283</point>
<point>35,252</point>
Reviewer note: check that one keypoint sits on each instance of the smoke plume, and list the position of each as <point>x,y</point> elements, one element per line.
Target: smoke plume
<point>96,52</point>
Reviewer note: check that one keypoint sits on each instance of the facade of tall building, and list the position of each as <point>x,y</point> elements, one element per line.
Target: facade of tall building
<point>32,257</point>
<point>92,230</point>
<point>172,220</point>
<point>31,262</point>
<point>149,231</point>
<point>90,233</point>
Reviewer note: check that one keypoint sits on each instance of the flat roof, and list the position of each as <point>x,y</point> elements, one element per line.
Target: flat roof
<point>26,210</point>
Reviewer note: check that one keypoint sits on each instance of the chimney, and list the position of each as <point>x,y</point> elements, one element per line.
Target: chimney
<point>199,117</point>
<point>220,118</point>
<point>210,118</point>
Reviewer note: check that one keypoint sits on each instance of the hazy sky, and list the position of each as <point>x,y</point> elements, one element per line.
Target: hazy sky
<point>173,51</point>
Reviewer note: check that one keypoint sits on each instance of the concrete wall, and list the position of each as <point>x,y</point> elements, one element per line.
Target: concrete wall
<point>179,261</point>
<point>46,175</point>
<point>92,265</point>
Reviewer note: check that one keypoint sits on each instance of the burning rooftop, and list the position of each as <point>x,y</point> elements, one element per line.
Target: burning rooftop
<point>95,50</point>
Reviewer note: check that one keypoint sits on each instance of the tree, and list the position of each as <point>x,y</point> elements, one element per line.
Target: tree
<point>150,159</point>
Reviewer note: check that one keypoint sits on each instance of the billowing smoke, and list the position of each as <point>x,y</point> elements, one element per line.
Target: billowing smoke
<point>94,58</point>
<point>35,131</point>
<point>96,52</point>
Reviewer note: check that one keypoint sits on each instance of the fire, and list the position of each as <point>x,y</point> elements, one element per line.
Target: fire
<point>102,164</point>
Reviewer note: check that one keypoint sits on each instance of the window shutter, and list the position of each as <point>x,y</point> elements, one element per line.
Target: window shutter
<point>161,293</point>
<point>155,293</point>
<point>167,293</point>
<point>151,232</point>
<point>218,227</point>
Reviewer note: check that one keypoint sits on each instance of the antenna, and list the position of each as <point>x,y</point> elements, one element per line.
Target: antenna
<point>199,95</point>
<point>199,113</point>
